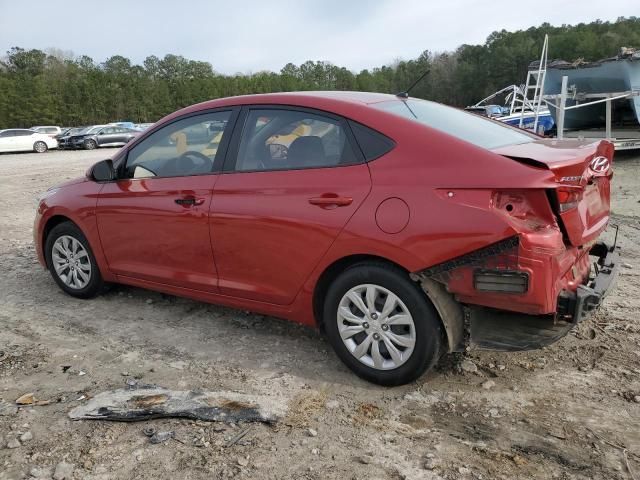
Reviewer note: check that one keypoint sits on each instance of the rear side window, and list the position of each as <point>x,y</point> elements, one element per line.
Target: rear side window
<point>466,126</point>
<point>373,144</point>
<point>280,139</point>
<point>22,133</point>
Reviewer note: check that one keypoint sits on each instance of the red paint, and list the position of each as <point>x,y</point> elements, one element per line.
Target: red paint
<point>261,240</point>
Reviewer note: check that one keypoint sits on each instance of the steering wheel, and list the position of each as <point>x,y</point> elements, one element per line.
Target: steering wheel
<point>197,159</point>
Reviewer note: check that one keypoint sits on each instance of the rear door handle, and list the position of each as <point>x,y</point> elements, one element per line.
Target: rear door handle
<point>329,201</point>
<point>188,201</point>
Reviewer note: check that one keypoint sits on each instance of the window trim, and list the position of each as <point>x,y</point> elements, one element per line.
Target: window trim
<point>121,162</point>
<point>231,155</point>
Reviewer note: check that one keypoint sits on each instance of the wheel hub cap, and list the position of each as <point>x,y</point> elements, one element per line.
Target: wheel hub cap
<point>71,262</point>
<point>376,327</point>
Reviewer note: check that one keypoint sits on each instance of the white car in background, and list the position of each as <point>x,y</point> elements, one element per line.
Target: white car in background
<point>23,140</point>
<point>50,130</point>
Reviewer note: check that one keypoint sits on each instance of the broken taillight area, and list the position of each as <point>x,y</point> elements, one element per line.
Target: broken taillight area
<point>524,210</point>
<point>568,198</point>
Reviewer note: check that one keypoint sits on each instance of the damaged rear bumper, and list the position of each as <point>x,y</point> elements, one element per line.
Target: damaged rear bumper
<point>491,328</point>
<point>508,331</point>
<point>580,304</point>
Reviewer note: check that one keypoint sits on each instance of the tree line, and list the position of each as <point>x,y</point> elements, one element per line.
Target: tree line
<point>38,87</point>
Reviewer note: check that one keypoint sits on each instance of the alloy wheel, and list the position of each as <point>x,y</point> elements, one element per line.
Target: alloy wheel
<point>71,262</point>
<point>40,147</point>
<point>376,326</point>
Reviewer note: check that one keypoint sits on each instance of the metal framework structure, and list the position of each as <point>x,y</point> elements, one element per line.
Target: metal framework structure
<point>622,139</point>
<point>538,76</point>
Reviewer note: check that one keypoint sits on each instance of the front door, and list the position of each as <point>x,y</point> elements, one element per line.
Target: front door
<point>7,141</point>
<point>154,221</point>
<point>290,189</point>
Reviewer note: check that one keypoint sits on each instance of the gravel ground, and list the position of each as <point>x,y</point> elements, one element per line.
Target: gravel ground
<point>569,411</point>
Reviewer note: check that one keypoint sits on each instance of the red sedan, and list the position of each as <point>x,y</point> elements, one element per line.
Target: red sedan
<point>403,228</point>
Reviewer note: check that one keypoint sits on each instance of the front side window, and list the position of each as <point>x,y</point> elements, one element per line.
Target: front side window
<point>183,148</point>
<point>23,133</point>
<point>278,139</point>
<point>458,123</point>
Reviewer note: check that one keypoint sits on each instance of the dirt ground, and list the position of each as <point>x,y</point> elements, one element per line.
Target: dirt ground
<point>569,411</point>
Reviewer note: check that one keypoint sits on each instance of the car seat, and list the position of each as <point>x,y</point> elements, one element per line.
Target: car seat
<point>306,152</point>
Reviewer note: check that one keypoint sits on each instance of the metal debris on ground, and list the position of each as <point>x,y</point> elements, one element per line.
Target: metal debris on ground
<point>147,402</point>
<point>237,437</point>
<point>160,437</point>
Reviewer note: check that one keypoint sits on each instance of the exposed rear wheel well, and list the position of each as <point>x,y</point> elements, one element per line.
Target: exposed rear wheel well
<point>443,302</point>
<point>332,272</point>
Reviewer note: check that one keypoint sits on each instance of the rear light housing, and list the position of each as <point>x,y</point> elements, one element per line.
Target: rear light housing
<point>568,198</point>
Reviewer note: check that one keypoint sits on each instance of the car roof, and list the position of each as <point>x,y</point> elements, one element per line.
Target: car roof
<point>339,102</point>
<point>301,98</point>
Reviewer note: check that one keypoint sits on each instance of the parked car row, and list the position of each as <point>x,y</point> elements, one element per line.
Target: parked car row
<point>45,137</point>
<point>95,136</point>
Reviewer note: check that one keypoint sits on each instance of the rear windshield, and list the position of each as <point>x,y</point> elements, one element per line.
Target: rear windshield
<point>458,123</point>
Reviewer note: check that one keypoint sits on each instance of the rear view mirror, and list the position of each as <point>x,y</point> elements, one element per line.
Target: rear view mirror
<point>103,171</point>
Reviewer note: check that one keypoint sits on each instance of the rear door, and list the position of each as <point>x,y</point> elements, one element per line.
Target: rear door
<point>154,220</point>
<point>23,140</point>
<point>292,180</point>
<point>107,136</point>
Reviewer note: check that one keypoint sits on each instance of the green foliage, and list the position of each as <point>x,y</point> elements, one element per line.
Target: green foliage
<point>41,88</point>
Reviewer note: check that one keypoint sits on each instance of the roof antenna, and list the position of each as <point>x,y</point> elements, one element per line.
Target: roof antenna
<point>405,94</point>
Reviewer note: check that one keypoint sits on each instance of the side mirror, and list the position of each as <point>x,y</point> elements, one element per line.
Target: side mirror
<point>102,171</point>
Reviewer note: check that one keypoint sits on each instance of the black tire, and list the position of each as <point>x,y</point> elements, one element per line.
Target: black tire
<point>90,144</point>
<point>95,283</point>
<point>428,328</point>
<point>40,147</point>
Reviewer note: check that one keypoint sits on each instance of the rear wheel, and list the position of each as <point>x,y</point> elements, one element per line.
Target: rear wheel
<point>71,261</point>
<point>381,324</point>
<point>90,144</point>
<point>40,147</point>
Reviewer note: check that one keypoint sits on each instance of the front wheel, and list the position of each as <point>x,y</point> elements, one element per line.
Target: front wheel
<point>71,261</point>
<point>90,144</point>
<point>381,324</point>
<point>40,147</point>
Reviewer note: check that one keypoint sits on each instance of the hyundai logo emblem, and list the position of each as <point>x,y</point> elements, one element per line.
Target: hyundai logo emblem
<point>599,165</point>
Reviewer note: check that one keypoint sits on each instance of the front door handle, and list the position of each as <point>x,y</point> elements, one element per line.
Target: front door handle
<point>189,201</point>
<point>330,201</point>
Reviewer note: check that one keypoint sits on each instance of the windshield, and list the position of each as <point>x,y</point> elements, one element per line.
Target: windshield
<point>458,123</point>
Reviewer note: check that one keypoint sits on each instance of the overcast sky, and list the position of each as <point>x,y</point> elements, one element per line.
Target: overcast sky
<point>249,36</point>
